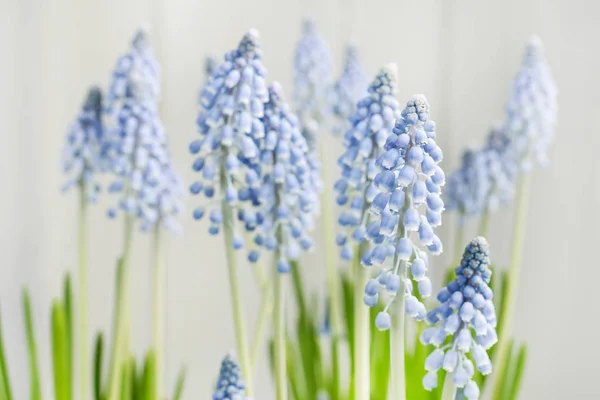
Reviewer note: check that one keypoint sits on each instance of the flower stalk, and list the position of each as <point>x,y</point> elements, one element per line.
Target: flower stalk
<point>158,311</point>
<point>83,300</point>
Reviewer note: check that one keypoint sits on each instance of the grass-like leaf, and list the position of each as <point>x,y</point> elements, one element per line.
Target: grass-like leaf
<point>150,375</point>
<point>36,392</point>
<point>68,305</point>
<point>5,391</point>
<point>179,385</point>
<point>98,354</point>
<point>62,384</point>
<point>518,368</point>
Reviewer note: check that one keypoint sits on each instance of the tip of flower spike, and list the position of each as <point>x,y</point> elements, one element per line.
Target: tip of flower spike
<point>308,25</point>
<point>249,46</point>
<point>391,69</point>
<point>385,81</point>
<point>94,98</point>
<point>141,40</point>
<point>534,50</point>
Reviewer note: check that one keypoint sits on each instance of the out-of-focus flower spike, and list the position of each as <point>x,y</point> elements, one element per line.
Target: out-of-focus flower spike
<point>531,109</point>
<point>230,384</point>
<point>350,87</point>
<point>84,151</point>
<point>313,76</point>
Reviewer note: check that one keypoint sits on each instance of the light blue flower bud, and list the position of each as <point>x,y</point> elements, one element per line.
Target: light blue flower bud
<point>411,220</point>
<point>471,391</point>
<point>404,249</point>
<point>430,380</point>
<point>371,301</point>
<point>425,287</point>
<point>383,322</point>
<point>434,361</point>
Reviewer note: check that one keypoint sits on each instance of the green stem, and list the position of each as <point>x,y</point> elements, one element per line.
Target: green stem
<point>280,346</point>
<point>83,312</point>
<point>504,336</point>
<point>158,312</point>
<point>266,310</point>
<point>449,392</point>
<point>484,224</point>
<point>332,272</point>
<point>362,330</point>
<point>459,238</point>
<point>236,299</point>
<point>119,346</point>
<point>397,367</point>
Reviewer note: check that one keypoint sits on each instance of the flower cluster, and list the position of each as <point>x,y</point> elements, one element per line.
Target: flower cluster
<point>409,177</point>
<point>531,109</point>
<point>136,146</point>
<point>371,125</point>
<point>469,185</point>
<point>485,179</point>
<point>137,73</point>
<point>351,86</point>
<point>82,156</point>
<point>466,307</point>
<point>232,132</point>
<point>230,385</point>
<point>313,74</point>
<point>287,196</point>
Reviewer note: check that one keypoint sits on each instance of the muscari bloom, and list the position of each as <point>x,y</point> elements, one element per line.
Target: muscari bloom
<point>405,210</point>
<point>531,109</point>
<point>351,86</point>
<point>230,385</point>
<point>288,198</point>
<point>82,157</point>
<point>469,185</point>
<point>466,308</point>
<point>371,125</point>
<point>232,133</point>
<point>313,76</point>
<point>136,144</point>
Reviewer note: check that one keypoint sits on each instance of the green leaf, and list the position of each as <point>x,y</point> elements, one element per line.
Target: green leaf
<point>505,375</point>
<point>348,303</point>
<point>60,353</point>
<point>126,382</point>
<point>68,305</point>
<point>310,354</point>
<point>518,372</point>
<point>179,385</point>
<point>5,391</point>
<point>294,375</point>
<point>98,353</point>
<point>298,288</point>
<point>36,392</point>
<point>150,375</point>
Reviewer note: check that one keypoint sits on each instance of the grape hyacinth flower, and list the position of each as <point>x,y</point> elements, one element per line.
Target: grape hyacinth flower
<point>82,157</point>
<point>531,109</point>
<point>371,125</point>
<point>288,201</point>
<point>406,203</point>
<point>287,195</point>
<point>313,76</point>
<point>469,185</point>
<point>466,309</point>
<point>228,156</point>
<point>230,384</point>
<point>82,161</point>
<point>228,153</point>
<point>138,64</point>
<point>351,86</point>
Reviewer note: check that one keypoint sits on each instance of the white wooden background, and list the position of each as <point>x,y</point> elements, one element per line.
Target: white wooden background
<point>461,53</point>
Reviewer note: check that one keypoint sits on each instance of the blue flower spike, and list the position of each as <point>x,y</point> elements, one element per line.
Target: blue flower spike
<point>406,208</point>
<point>288,197</point>
<point>230,384</point>
<point>371,124</point>
<point>136,145</point>
<point>531,109</point>
<point>313,77</point>
<point>467,315</point>
<point>83,152</point>
<point>350,87</point>
<point>232,134</point>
